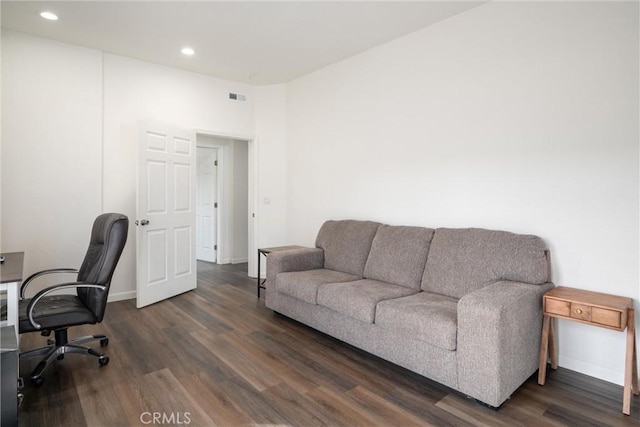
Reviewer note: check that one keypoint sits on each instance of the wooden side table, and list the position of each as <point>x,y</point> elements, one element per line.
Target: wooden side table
<point>592,308</point>
<point>265,252</point>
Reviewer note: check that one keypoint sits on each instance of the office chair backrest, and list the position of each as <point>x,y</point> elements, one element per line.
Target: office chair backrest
<point>108,237</point>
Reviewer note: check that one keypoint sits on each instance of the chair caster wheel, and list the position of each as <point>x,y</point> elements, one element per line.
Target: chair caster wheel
<point>61,357</point>
<point>104,341</point>
<point>103,360</point>
<point>37,381</point>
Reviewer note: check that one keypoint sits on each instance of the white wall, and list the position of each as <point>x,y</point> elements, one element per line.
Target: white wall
<point>240,202</point>
<point>519,116</point>
<point>271,131</point>
<point>70,119</point>
<point>51,150</point>
<point>135,90</point>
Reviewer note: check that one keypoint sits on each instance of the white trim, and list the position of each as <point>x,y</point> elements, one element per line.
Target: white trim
<point>226,135</point>
<point>222,196</point>
<point>102,142</point>
<point>239,260</point>
<point>609,375</point>
<point>121,296</point>
<point>254,207</point>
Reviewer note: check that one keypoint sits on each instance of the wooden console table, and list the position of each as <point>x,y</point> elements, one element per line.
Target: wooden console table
<point>265,252</point>
<point>592,308</point>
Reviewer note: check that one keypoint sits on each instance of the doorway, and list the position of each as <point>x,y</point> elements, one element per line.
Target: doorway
<point>166,207</point>
<point>223,182</point>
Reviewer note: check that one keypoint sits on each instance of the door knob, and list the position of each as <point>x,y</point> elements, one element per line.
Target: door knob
<point>142,222</point>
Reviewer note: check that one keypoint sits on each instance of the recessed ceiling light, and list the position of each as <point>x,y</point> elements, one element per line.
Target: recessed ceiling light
<point>187,51</point>
<point>49,16</point>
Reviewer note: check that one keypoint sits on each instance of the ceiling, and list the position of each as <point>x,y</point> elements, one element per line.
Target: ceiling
<point>258,43</point>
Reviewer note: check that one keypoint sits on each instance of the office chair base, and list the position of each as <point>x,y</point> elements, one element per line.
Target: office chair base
<point>61,346</point>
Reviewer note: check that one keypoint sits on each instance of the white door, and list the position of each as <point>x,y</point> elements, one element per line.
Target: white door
<point>206,203</point>
<point>165,222</point>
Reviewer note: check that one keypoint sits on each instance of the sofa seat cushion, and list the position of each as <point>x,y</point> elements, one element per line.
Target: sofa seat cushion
<point>303,285</point>
<point>427,317</point>
<point>359,299</point>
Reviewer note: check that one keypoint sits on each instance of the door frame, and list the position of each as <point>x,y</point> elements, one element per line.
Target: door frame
<point>252,191</point>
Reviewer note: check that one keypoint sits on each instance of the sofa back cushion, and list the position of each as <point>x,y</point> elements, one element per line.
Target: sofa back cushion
<point>346,244</point>
<point>464,260</point>
<point>398,255</point>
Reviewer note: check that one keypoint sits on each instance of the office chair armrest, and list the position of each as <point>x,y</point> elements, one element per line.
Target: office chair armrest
<point>29,279</point>
<point>50,289</point>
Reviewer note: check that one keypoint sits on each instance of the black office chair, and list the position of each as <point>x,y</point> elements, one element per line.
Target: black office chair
<point>45,313</point>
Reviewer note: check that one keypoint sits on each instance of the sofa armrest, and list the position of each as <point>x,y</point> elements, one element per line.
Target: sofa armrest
<point>293,260</point>
<point>498,341</point>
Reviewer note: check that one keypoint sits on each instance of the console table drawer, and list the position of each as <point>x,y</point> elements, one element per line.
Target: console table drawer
<point>611,318</point>
<point>559,307</point>
<point>581,312</point>
<point>587,313</point>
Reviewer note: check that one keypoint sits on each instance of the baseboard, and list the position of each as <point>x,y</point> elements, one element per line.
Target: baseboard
<point>239,260</point>
<point>609,375</point>
<point>121,296</point>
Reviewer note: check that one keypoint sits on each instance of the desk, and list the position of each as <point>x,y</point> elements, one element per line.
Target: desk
<point>265,252</point>
<point>592,308</point>
<point>10,279</point>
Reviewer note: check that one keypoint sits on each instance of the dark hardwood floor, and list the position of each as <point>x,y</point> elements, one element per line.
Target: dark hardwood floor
<point>218,356</point>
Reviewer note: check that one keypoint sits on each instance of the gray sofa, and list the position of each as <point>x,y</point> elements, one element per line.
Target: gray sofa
<point>459,306</point>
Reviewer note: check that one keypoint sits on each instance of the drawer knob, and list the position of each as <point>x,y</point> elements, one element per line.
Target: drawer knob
<point>578,311</point>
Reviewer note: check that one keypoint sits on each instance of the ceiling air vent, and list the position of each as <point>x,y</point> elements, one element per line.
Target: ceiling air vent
<point>237,97</point>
